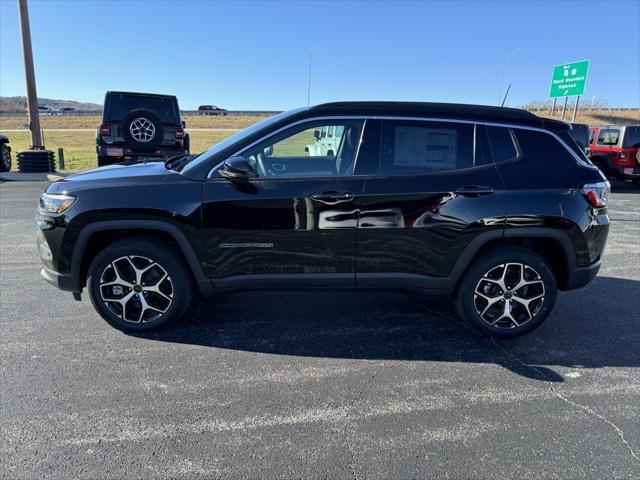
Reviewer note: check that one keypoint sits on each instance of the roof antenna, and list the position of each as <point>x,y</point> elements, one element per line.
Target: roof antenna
<point>505,96</point>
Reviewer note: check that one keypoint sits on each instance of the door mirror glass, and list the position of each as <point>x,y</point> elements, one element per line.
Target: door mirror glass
<point>237,169</point>
<point>316,134</point>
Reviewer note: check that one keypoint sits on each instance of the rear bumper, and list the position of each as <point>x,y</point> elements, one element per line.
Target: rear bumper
<point>127,153</point>
<point>628,173</point>
<point>581,276</point>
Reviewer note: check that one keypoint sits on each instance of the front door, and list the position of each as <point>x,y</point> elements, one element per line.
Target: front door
<point>295,224</point>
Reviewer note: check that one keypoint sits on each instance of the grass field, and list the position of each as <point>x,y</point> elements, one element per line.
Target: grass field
<point>79,145</point>
<point>92,121</point>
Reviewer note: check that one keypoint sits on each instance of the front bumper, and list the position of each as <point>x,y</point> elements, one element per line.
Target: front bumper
<point>61,280</point>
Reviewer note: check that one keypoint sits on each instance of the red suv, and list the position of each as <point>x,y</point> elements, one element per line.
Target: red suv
<point>616,150</point>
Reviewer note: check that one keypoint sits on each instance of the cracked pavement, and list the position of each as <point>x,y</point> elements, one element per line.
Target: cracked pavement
<point>317,384</point>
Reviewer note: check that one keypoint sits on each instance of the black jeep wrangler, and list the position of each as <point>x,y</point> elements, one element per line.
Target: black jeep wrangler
<point>138,126</point>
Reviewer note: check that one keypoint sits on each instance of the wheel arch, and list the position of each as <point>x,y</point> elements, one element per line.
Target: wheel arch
<point>553,245</point>
<point>94,237</point>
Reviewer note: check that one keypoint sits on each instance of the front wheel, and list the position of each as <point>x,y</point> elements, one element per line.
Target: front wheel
<point>508,292</point>
<point>139,285</point>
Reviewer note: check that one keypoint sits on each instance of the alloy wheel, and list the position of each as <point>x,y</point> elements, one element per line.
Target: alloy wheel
<point>136,289</point>
<point>142,130</point>
<point>509,295</point>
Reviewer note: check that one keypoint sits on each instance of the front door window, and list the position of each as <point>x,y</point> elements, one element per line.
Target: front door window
<point>309,150</point>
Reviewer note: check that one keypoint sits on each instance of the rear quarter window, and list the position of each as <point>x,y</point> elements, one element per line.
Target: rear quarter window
<point>631,137</point>
<point>542,147</point>
<point>608,137</point>
<point>503,147</point>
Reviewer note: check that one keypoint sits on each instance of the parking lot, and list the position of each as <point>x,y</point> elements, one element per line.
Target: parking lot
<point>317,384</point>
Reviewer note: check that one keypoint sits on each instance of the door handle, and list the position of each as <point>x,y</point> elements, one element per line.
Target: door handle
<point>332,198</point>
<point>475,190</point>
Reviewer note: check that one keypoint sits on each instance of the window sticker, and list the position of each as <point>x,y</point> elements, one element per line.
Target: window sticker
<point>426,147</point>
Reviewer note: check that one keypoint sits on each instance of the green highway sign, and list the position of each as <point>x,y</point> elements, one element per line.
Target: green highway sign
<point>569,79</point>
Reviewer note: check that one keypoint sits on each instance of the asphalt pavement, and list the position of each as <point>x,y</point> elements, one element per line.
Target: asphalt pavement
<point>336,385</point>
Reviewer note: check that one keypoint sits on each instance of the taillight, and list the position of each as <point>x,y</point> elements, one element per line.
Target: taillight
<point>105,129</point>
<point>179,133</point>
<point>597,193</point>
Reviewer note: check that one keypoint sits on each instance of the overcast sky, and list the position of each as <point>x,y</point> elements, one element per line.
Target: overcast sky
<point>255,55</point>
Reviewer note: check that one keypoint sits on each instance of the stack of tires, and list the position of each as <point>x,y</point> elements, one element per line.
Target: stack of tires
<point>36,161</point>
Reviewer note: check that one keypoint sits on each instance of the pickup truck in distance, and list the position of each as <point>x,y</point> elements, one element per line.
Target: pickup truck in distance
<point>454,201</point>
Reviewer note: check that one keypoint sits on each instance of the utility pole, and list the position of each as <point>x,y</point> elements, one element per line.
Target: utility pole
<point>32,97</point>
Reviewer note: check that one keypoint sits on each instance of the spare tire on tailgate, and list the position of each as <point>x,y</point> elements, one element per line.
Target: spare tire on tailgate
<point>142,129</point>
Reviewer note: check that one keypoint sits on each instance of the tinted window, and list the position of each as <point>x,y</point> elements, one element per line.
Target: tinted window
<point>412,146</point>
<point>608,136</point>
<point>502,145</point>
<point>631,137</point>
<point>164,107</point>
<point>573,144</point>
<point>541,147</point>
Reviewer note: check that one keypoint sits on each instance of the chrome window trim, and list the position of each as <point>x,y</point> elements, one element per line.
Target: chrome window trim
<point>575,156</point>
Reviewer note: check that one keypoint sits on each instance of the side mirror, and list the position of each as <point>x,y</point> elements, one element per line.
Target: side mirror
<point>316,134</point>
<point>237,169</point>
<point>268,151</point>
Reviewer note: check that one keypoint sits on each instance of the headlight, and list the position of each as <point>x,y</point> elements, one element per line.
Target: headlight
<point>55,203</point>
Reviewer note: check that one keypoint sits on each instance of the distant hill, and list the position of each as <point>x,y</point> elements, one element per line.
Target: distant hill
<point>19,104</point>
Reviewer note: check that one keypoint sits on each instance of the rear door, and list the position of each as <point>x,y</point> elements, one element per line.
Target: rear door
<point>434,190</point>
<point>293,225</point>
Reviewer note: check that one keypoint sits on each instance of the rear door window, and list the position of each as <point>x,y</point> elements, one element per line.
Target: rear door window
<point>409,146</point>
<point>608,136</point>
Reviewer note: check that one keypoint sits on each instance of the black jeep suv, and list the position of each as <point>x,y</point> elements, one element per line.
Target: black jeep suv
<point>493,206</point>
<point>138,126</point>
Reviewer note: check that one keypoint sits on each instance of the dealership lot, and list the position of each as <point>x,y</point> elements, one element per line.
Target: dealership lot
<point>317,384</point>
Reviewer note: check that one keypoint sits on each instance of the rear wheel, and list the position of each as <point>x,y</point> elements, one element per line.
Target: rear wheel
<point>104,160</point>
<point>508,292</point>
<point>139,285</point>
<point>5,158</point>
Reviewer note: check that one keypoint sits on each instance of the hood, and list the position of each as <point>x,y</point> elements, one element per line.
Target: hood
<point>124,174</point>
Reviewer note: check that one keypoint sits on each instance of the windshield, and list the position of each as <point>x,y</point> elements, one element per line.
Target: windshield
<point>237,137</point>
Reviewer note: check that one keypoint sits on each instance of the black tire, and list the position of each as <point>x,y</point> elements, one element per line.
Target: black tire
<point>470,306</point>
<point>104,160</point>
<point>5,158</point>
<point>174,292</point>
<point>156,132</point>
